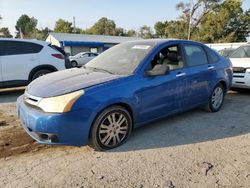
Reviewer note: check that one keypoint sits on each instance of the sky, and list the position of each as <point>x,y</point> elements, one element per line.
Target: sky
<point>129,14</point>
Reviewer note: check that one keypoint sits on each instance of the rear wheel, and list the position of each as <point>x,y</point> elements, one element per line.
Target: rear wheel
<point>39,73</point>
<point>111,128</point>
<point>74,64</point>
<point>216,99</point>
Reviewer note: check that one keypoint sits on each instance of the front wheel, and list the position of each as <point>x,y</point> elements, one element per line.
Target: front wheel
<point>216,99</point>
<point>111,128</point>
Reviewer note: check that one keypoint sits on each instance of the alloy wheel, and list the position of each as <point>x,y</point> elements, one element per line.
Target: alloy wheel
<point>217,97</point>
<point>113,129</point>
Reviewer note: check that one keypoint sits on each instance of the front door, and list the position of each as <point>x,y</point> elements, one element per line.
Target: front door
<point>162,95</point>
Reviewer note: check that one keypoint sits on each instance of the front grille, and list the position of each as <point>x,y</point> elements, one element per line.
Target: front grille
<point>239,70</point>
<point>238,76</point>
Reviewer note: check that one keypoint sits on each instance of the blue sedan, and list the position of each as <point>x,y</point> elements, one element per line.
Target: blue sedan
<point>125,87</point>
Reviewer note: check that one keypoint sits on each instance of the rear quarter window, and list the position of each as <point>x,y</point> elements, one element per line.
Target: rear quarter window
<point>213,56</point>
<point>18,47</point>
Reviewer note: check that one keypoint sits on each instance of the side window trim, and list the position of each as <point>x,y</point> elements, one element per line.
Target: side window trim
<point>11,47</point>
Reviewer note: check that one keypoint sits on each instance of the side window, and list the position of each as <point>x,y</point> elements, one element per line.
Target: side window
<point>241,52</point>
<point>16,47</point>
<point>212,55</point>
<point>195,55</point>
<point>84,55</point>
<point>169,56</point>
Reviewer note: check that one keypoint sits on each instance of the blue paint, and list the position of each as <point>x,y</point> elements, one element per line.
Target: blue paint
<point>149,98</point>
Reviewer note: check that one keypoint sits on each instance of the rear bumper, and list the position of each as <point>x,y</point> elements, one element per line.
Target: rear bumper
<point>70,128</point>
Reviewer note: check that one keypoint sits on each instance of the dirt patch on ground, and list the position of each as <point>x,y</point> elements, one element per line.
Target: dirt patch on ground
<point>13,139</point>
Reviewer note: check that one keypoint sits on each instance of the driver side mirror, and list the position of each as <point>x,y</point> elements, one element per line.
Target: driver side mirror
<point>158,70</point>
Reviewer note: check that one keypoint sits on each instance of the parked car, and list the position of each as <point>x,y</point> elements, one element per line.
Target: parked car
<point>123,88</point>
<point>22,61</point>
<point>82,58</point>
<point>226,52</point>
<point>241,67</point>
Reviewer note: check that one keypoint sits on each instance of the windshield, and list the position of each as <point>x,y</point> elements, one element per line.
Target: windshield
<point>241,52</point>
<point>121,59</point>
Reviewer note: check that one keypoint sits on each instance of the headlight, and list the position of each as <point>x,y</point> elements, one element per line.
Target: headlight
<point>59,104</point>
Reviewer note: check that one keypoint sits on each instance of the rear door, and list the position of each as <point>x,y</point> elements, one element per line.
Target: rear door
<point>199,75</point>
<point>19,60</point>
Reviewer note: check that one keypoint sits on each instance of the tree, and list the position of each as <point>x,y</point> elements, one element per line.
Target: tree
<point>27,25</point>
<point>160,29</point>
<point>5,33</point>
<point>77,30</point>
<point>227,23</point>
<point>171,29</point>
<point>120,32</point>
<point>42,34</point>
<point>63,26</point>
<point>194,13</point>
<point>131,33</point>
<point>146,32</point>
<point>103,26</point>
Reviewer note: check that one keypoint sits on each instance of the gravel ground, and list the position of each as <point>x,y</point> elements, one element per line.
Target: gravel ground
<point>192,149</point>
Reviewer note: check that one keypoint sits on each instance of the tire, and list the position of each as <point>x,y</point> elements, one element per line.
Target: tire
<point>104,134</point>
<point>216,98</point>
<point>40,73</point>
<point>74,64</point>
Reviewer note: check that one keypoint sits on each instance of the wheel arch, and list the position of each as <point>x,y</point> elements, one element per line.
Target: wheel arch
<point>122,104</point>
<point>40,67</point>
<point>224,84</point>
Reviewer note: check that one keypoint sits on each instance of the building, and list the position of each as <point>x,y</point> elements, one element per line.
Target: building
<point>76,43</point>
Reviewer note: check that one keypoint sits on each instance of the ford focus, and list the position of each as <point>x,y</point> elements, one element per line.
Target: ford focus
<point>125,87</point>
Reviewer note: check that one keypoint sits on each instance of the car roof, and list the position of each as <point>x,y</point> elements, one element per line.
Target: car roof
<point>161,41</point>
<point>26,40</point>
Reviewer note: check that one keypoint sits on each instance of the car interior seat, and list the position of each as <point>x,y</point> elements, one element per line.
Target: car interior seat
<point>171,60</point>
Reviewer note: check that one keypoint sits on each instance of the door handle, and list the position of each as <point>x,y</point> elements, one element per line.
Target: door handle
<point>180,74</point>
<point>210,67</point>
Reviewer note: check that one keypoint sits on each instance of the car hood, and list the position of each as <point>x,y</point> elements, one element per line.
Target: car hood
<point>67,81</point>
<point>241,62</point>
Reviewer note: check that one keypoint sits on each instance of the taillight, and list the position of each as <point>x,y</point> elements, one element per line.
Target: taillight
<point>59,56</point>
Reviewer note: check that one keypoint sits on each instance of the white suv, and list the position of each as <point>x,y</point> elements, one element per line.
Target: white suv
<point>240,59</point>
<point>22,61</point>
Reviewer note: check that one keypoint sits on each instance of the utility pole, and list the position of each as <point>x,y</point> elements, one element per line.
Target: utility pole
<point>21,33</point>
<point>190,19</point>
<point>74,24</point>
